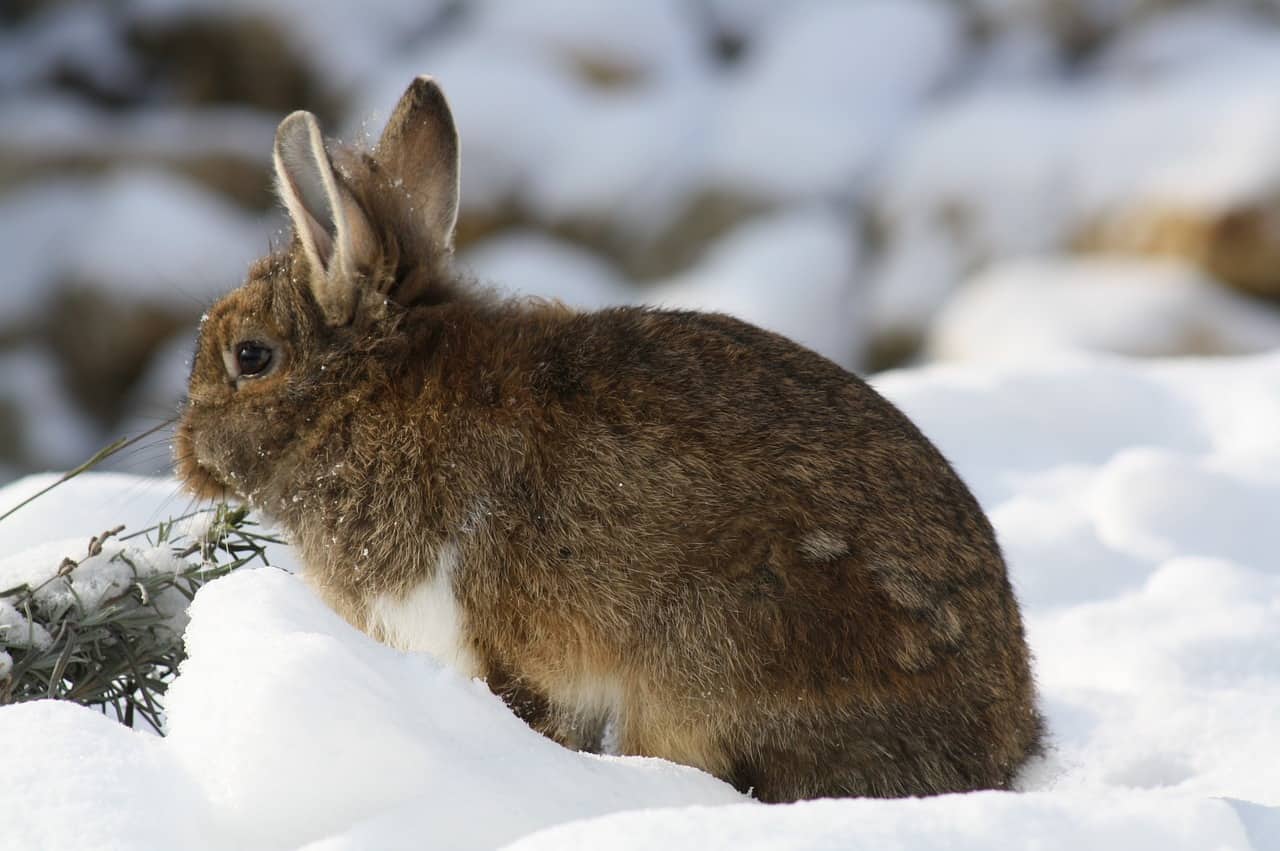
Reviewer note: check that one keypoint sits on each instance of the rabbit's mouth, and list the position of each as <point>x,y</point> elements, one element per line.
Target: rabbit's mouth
<point>196,478</point>
<point>199,481</point>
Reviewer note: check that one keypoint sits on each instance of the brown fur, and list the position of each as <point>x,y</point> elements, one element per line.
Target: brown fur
<point>773,571</point>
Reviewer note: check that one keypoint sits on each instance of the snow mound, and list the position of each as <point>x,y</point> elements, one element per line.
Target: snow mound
<point>792,273</point>
<point>827,86</point>
<point>287,726</point>
<point>1029,308</point>
<point>956,822</point>
<point>136,234</point>
<point>970,184</point>
<point>533,264</point>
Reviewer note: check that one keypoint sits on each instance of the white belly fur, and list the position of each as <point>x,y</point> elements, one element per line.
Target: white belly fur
<point>427,619</point>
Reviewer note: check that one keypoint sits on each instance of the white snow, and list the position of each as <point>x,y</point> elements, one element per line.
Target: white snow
<point>1027,308</point>
<point>824,90</point>
<point>532,264</point>
<point>51,431</point>
<point>343,43</point>
<point>58,125</point>
<point>644,39</point>
<point>1135,501</point>
<point>78,36</point>
<point>793,273</point>
<point>140,234</point>
<point>978,822</point>
<point>1016,169</point>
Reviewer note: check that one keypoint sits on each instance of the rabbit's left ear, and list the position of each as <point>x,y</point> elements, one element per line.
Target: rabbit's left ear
<point>335,233</point>
<point>419,150</point>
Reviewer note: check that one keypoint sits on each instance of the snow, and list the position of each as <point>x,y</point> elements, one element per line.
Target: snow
<point>74,778</point>
<point>810,110</point>
<point>646,39</point>
<point>1027,308</point>
<point>58,125</point>
<point>50,429</point>
<point>138,234</point>
<point>80,37</point>
<point>971,182</point>
<point>634,158</point>
<point>825,89</point>
<point>533,264</point>
<point>1186,39</point>
<point>344,43</point>
<point>791,272</point>
<point>1135,503</point>
<point>512,105</point>
<point>959,823</point>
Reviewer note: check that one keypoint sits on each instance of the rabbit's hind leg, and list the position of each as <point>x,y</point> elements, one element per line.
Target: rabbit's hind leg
<point>576,730</point>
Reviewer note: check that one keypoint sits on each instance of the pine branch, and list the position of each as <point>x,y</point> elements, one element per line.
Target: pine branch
<point>120,653</point>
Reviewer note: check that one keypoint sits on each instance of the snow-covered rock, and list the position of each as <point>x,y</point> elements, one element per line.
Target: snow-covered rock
<point>1007,171</point>
<point>1027,309</point>
<point>138,235</point>
<point>793,273</point>
<point>38,413</point>
<point>532,264</point>
<point>825,89</point>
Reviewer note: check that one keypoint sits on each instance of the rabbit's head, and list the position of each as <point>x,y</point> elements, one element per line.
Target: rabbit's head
<point>372,239</point>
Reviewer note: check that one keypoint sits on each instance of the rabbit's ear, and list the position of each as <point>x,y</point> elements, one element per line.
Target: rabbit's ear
<point>333,230</point>
<point>419,148</point>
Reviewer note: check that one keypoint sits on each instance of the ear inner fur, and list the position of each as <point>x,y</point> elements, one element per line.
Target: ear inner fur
<point>333,231</point>
<point>419,149</point>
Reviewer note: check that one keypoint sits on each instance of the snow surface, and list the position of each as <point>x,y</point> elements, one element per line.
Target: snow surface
<point>1135,501</point>
<point>792,272</point>
<point>532,264</point>
<point>826,89</point>
<point>1026,308</point>
<point>32,389</point>
<point>135,234</point>
<point>971,182</point>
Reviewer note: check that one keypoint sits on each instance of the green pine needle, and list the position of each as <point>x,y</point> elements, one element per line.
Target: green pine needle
<point>121,654</point>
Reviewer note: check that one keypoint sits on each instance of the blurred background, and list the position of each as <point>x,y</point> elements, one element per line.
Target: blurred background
<point>891,182</point>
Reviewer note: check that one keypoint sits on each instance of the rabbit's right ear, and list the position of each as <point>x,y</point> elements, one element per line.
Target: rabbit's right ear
<point>334,232</point>
<point>419,148</point>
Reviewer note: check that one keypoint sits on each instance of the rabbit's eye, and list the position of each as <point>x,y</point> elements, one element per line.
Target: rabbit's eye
<point>252,358</point>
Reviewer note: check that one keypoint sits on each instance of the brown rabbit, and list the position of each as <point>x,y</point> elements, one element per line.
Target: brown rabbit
<point>728,546</point>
